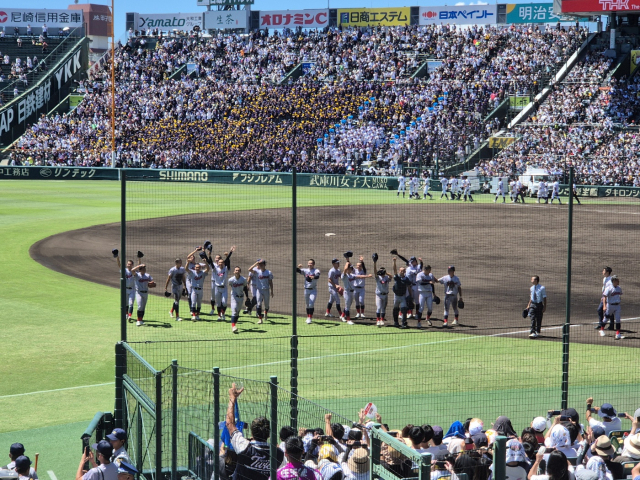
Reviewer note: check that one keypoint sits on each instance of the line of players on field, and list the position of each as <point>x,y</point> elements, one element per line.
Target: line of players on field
<point>413,289</point>
<point>188,281</point>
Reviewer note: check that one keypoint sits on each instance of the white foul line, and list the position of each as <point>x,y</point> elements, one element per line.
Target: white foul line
<point>52,475</point>
<point>57,390</point>
<point>347,354</point>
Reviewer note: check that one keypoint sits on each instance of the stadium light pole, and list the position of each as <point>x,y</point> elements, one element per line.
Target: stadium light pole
<point>113,86</point>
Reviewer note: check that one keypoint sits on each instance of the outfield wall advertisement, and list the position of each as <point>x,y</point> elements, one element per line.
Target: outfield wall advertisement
<point>221,19</point>
<point>294,18</point>
<point>371,17</point>
<point>460,15</point>
<point>178,21</point>
<point>36,17</point>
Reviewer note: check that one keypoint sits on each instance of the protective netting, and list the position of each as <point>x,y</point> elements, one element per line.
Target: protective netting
<point>484,365</point>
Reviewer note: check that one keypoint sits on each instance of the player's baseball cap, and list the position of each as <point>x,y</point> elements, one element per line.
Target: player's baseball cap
<point>614,277</point>
<point>22,463</point>
<point>117,434</point>
<point>103,447</point>
<point>413,259</point>
<point>335,260</point>
<point>451,267</point>
<point>16,449</point>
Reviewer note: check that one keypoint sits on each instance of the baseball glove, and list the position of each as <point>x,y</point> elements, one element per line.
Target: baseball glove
<point>184,292</point>
<point>340,291</point>
<point>374,257</point>
<point>114,252</point>
<point>208,246</point>
<point>348,254</point>
<point>140,254</point>
<point>394,252</point>
<point>152,284</point>
<point>203,255</point>
<point>525,313</point>
<point>436,300</point>
<point>167,294</point>
<point>460,304</point>
<point>247,302</point>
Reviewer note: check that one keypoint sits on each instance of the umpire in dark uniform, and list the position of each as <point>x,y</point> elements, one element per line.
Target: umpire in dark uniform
<point>537,305</point>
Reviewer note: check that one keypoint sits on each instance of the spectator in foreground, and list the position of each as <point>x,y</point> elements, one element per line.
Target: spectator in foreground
<point>254,452</point>
<point>558,467</point>
<point>607,413</point>
<point>117,438</point>
<point>126,471</point>
<point>295,469</point>
<point>105,471</point>
<point>17,450</point>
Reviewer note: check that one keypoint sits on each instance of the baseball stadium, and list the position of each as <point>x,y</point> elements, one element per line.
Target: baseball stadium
<point>338,244</point>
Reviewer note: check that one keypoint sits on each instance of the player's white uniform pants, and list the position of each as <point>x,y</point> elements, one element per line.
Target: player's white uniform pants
<point>542,195</point>
<point>425,192</point>
<point>236,302</point>
<point>450,301</point>
<point>334,296</point>
<point>467,191</point>
<point>263,296</point>
<point>401,187</point>
<point>554,195</point>
<point>613,310</point>
<point>219,294</point>
<point>500,193</point>
<point>426,298</point>
<point>131,294</point>
<point>359,295</point>
<point>310,295</point>
<point>348,299</point>
<point>176,290</point>
<point>196,298</point>
<point>412,190</point>
<point>381,303</point>
<point>141,299</point>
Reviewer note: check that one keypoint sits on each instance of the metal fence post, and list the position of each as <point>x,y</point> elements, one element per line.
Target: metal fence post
<point>500,458</point>
<point>158,462</point>
<point>121,369</point>
<point>139,444</point>
<point>294,302</point>
<point>425,467</point>
<point>216,422</point>
<point>124,304</point>
<point>567,320</point>
<point>174,420</point>
<point>273,442</point>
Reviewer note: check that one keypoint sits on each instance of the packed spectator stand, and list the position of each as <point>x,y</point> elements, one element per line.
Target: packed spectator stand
<point>363,102</point>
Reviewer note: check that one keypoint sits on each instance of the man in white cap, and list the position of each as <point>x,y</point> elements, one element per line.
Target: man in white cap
<point>539,425</point>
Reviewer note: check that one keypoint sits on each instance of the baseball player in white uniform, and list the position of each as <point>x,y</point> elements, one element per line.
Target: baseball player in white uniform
<point>425,192</point>
<point>401,185</point>
<point>311,276</point>
<point>129,283</point>
<point>414,183</point>
<point>444,181</point>
<point>219,292</point>
<point>555,192</point>
<point>264,288</point>
<point>143,282</point>
<point>452,288</point>
<point>358,284</point>
<point>500,191</point>
<point>190,265</point>
<point>466,189</point>
<point>543,192</point>
<point>606,281</point>
<point>251,284</point>
<point>334,288</point>
<point>574,192</point>
<point>213,263</point>
<point>414,266</point>
<point>237,283</point>
<point>176,276</point>
<point>348,278</point>
<point>611,305</point>
<point>382,292</point>
<point>425,281</point>
<point>196,276</point>
<point>512,191</point>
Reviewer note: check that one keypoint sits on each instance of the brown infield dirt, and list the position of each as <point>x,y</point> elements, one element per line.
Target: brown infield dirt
<point>495,248</point>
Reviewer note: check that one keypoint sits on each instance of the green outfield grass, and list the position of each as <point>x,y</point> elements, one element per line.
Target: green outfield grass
<point>59,332</point>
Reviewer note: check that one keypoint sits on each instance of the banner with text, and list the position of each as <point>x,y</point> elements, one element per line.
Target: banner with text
<point>532,13</point>
<point>596,7</point>
<point>372,17</point>
<point>44,95</point>
<point>501,142</point>
<point>36,17</point>
<point>221,19</point>
<point>460,15</point>
<point>168,21</point>
<point>294,18</point>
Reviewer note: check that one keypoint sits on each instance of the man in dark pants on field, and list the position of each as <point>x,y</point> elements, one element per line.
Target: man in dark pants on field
<point>400,287</point>
<point>537,305</point>
<point>606,281</point>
